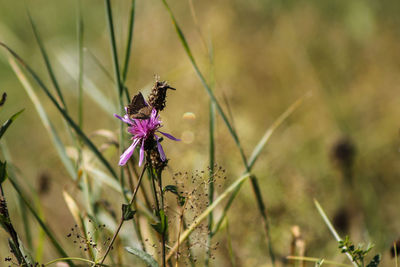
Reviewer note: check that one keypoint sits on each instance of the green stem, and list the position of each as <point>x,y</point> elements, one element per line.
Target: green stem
<point>80,66</point>
<point>122,218</point>
<point>210,182</point>
<point>163,234</point>
<point>128,47</point>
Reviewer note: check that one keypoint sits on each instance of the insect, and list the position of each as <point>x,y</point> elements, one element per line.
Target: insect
<point>138,108</point>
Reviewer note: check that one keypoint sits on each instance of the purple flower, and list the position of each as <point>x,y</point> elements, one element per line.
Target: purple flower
<point>141,130</point>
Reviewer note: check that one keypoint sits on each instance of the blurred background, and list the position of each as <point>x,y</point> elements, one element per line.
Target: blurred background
<point>340,147</point>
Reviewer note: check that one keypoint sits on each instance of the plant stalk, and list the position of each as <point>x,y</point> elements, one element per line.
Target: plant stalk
<point>122,218</point>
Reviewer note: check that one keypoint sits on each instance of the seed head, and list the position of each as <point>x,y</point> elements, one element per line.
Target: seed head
<point>158,94</point>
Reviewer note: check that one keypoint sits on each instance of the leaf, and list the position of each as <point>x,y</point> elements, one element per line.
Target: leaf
<point>375,261</point>
<point>142,255</point>
<point>114,53</point>
<point>17,253</point>
<point>173,189</point>
<point>267,135</point>
<point>127,212</point>
<point>7,124</point>
<point>129,44</point>
<point>3,171</point>
<point>161,225</point>
<point>73,208</point>
<point>46,60</point>
<point>58,144</point>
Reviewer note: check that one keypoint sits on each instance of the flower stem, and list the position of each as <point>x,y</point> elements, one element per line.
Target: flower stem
<point>163,234</point>
<point>122,218</point>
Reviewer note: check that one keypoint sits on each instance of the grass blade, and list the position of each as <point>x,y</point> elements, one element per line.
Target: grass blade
<point>261,144</point>
<point>7,124</point>
<point>92,263</point>
<point>62,111</point>
<point>41,235</point>
<point>114,52</point>
<point>47,61</point>
<point>143,255</point>
<point>331,228</point>
<point>26,223</point>
<point>76,214</point>
<point>80,31</point>
<point>99,64</point>
<point>90,88</point>
<point>310,259</point>
<point>58,144</point>
<point>211,181</point>
<point>128,47</point>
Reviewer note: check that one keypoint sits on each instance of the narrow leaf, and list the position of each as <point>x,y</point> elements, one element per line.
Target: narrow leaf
<point>128,47</point>
<point>127,212</point>
<point>3,171</point>
<point>73,208</point>
<point>58,144</point>
<point>3,99</point>
<point>142,255</point>
<point>47,61</point>
<point>331,228</point>
<point>7,124</point>
<point>173,189</point>
<point>261,144</point>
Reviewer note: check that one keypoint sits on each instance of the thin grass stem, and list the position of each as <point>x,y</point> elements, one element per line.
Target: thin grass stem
<point>310,259</point>
<point>128,46</point>
<point>332,229</point>
<point>80,33</point>
<point>122,218</point>
<point>47,61</point>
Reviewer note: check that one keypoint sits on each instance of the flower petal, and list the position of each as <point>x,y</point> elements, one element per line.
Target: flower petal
<point>128,153</point>
<point>141,157</point>
<point>124,119</point>
<point>160,149</point>
<point>170,136</point>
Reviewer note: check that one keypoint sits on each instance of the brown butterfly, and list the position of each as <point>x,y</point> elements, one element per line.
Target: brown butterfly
<point>138,109</point>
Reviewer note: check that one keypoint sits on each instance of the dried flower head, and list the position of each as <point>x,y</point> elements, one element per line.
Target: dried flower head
<point>158,94</point>
<point>143,132</point>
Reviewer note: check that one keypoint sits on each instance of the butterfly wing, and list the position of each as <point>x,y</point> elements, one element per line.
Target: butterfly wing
<point>138,108</point>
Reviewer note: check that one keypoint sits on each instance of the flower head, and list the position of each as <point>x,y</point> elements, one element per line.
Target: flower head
<point>143,132</point>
